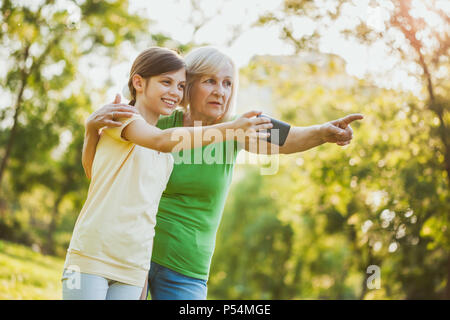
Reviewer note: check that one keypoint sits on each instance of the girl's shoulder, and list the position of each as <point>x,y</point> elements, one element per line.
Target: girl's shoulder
<point>116,132</point>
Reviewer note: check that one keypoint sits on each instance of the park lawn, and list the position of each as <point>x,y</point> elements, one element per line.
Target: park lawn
<point>28,275</point>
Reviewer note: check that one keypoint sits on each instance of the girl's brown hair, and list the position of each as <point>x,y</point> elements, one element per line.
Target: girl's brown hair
<point>152,62</point>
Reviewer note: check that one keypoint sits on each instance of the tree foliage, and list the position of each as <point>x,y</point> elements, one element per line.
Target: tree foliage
<point>313,229</point>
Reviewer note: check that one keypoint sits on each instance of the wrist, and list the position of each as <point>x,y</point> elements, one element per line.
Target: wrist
<point>319,129</point>
<point>224,127</point>
<point>231,124</point>
<point>90,130</point>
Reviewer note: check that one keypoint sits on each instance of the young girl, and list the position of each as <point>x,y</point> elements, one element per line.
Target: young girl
<point>110,250</point>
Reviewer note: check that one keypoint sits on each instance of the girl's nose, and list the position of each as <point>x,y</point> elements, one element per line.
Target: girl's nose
<point>176,91</point>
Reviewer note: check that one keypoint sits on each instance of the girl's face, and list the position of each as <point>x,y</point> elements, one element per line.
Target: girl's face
<point>210,93</point>
<point>163,93</point>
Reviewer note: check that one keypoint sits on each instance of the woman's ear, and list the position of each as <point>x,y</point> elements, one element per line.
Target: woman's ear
<point>138,83</point>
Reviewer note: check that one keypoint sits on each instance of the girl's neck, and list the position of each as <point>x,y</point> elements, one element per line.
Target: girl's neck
<point>149,116</point>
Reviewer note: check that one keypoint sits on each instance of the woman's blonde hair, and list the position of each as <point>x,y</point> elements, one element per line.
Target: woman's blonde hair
<point>207,61</point>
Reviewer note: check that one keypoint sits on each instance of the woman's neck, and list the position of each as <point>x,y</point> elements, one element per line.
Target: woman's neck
<point>190,117</point>
<point>149,116</point>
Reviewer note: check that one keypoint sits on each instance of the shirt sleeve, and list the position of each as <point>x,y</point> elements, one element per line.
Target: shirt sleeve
<point>116,132</point>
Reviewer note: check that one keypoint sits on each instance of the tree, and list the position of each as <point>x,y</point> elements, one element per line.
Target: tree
<point>418,32</point>
<point>46,99</point>
<point>331,212</point>
<point>45,42</point>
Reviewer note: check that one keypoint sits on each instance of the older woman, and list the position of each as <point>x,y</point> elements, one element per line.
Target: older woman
<point>191,207</point>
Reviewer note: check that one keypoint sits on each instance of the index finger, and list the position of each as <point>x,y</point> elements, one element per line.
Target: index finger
<point>352,117</point>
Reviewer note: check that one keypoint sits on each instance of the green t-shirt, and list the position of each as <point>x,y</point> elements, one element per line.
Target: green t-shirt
<point>191,207</point>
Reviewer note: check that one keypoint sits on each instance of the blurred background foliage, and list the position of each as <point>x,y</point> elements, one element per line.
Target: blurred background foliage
<point>308,232</point>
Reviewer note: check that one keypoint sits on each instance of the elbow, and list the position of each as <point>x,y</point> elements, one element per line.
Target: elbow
<point>87,170</point>
<point>285,150</point>
<point>161,144</point>
<point>163,148</point>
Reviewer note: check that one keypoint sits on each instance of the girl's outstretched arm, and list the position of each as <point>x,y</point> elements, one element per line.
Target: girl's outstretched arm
<point>179,138</point>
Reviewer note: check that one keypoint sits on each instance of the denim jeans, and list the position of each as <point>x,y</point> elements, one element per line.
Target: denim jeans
<point>166,284</point>
<point>83,286</point>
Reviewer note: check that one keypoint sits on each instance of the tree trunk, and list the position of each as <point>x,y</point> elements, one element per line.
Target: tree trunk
<point>50,245</point>
<point>12,134</point>
<point>17,108</point>
<point>447,288</point>
<point>25,73</point>
<point>438,110</point>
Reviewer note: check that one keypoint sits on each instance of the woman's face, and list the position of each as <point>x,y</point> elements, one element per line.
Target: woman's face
<point>164,92</point>
<point>210,93</point>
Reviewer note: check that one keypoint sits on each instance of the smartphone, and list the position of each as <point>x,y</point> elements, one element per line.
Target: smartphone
<point>279,131</point>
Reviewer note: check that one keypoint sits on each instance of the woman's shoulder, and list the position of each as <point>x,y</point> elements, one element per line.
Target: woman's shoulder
<point>175,119</point>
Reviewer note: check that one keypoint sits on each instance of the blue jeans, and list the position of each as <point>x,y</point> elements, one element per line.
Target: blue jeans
<point>84,286</point>
<point>166,284</point>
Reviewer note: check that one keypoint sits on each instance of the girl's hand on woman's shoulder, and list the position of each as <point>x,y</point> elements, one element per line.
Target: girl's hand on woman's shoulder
<point>108,115</point>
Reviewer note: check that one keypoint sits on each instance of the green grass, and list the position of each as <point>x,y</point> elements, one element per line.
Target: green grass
<point>25,274</point>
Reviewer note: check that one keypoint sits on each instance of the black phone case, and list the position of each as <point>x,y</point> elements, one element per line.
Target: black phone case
<point>279,131</point>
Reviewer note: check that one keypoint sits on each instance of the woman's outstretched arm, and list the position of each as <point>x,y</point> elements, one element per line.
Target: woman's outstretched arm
<point>304,138</point>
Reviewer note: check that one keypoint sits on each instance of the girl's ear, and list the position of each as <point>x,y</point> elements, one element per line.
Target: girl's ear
<point>138,83</point>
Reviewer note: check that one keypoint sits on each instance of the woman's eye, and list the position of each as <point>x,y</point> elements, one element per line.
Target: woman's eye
<point>182,86</point>
<point>228,83</point>
<point>211,81</point>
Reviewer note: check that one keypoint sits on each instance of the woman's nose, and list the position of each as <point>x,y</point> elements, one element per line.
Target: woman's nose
<point>219,91</point>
